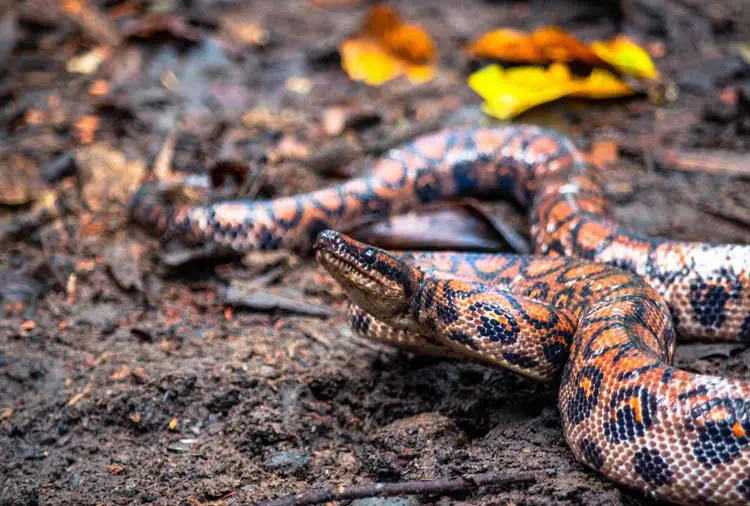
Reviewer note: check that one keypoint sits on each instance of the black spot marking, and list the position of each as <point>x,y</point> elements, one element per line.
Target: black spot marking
<point>446,312</point>
<point>591,454</point>
<point>501,327</point>
<point>650,466</point>
<point>709,302</point>
<point>268,240</point>
<point>720,438</point>
<point>667,375</point>
<point>522,361</point>
<point>588,382</point>
<point>635,408</point>
<point>539,290</point>
<point>462,338</point>
<point>426,186</point>
<point>744,488</point>
<point>555,352</point>
<point>360,323</point>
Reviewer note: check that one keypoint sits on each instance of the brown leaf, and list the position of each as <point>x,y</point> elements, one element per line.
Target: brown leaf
<point>106,176</point>
<point>244,31</point>
<point>164,25</point>
<point>21,182</point>
<point>121,373</point>
<point>461,225</point>
<point>92,21</point>
<point>688,353</point>
<point>268,300</point>
<point>123,260</point>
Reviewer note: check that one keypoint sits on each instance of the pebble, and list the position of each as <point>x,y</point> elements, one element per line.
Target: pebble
<point>293,458</point>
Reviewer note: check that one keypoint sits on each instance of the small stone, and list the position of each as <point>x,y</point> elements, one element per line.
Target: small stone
<point>280,460</point>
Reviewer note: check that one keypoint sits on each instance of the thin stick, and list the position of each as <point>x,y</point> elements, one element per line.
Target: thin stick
<point>417,487</point>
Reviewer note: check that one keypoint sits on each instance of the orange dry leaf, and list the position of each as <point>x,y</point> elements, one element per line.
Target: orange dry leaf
<point>508,93</point>
<point>551,44</point>
<point>545,45</point>
<point>386,48</point>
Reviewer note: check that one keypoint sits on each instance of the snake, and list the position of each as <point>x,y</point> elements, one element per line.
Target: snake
<point>596,306</point>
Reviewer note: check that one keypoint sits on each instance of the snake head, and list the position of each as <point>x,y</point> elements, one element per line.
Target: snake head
<point>379,283</point>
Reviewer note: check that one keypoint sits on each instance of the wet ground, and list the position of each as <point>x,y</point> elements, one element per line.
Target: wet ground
<point>129,377</point>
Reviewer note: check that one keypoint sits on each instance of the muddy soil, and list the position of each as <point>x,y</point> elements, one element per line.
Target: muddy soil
<point>127,378</point>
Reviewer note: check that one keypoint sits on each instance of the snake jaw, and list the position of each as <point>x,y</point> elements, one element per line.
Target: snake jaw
<point>372,279</point>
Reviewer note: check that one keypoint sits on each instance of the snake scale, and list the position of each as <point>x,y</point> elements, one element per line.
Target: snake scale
<point>599,303</point>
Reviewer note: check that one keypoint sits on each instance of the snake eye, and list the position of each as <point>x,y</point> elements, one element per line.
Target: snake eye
<point>369,256</point>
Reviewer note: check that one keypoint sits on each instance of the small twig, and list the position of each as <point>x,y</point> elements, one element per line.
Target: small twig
<point>417,487</point>
<point>713,162</point>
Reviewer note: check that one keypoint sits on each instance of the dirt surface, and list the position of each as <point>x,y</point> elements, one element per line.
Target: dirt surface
<point>124,380</point>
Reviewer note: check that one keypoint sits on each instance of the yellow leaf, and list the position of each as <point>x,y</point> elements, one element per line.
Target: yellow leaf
<point>386,49</point>
<point>508,93</point>
<point>368,61</point>
<point>626,56</point>
<point>602,84</point>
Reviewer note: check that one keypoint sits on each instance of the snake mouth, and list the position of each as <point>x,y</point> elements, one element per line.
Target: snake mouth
<point>349,262</point>
<point>371,278</point>
<point>344,266</point>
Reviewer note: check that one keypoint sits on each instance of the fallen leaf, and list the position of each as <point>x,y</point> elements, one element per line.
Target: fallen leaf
<point>77,397</point>
<point>106,176</point>
<point>140,375</point>
<point>628,57</point>
<point>115,469</point>
<point>457,226</point>
<point>99,88</point>
<point>603,153</point>
<point>545,45</point>
<point>690,352</point>
<point>551,44</point>
<point>299,85</point>
<point>267,300</point>
<point>173,424</point>
<point>123,260</point>
<point>121,373</point>
<point>509,92</point>
<point>619,55</point>
<point>89,62</point>
<point>386,48</point>
<point>21,182</point>
<point>245,32</point>
<point>86,127</point>
<point>92,21</point>
<point>162,25</point>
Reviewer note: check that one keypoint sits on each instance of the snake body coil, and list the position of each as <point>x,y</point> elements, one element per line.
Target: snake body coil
<point>626,412</point>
